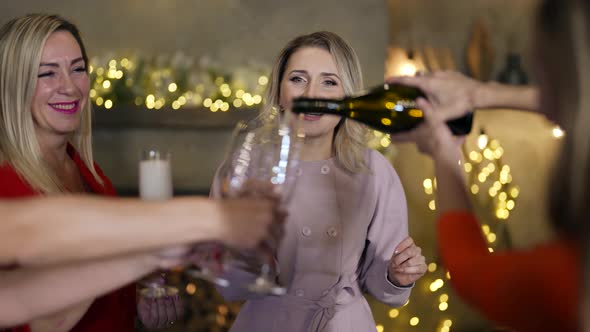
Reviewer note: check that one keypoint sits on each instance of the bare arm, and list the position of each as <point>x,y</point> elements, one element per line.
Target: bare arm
<point>453,95</point>
<point>451,193</point>
<point>434,138</point>
<point>30,293</point>
<point>496,95</point>
<point>61,229</point>
<point>464,250</point>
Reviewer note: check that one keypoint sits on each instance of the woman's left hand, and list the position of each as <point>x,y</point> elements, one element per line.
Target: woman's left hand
<point>407,263</point>
<point>160,312</point>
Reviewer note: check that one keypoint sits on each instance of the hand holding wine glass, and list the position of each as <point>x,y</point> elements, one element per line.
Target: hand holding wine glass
<point>252,221</point>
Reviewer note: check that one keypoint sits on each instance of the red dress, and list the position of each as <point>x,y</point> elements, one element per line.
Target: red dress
<point>113,312</point>
<point>532,290</point>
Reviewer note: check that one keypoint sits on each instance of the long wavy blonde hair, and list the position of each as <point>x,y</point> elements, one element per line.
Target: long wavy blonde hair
<point>349,137</point>
<point>21,45</point>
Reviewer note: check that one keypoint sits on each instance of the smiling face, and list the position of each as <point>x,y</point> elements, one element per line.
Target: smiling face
<point>62,87</point>
<point>312,72</point>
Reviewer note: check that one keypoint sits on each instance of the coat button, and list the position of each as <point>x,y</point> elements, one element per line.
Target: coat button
<point>325,169</point>
<point>299,172</point>
<point>299,292</point>
<point>306,231</point>
<point>332,231</point>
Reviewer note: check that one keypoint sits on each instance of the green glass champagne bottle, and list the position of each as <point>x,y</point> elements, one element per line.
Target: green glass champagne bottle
<point>389,108</point>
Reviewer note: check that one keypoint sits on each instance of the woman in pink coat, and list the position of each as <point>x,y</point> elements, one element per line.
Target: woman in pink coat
<point>347,229</point>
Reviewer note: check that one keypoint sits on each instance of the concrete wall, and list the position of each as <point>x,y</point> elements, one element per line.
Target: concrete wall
<point>232,32</point>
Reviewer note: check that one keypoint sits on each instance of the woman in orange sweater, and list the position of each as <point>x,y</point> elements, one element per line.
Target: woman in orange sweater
<point>537,289</point>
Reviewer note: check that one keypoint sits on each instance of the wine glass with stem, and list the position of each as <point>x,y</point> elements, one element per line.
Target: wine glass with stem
<point>261,161</point>
<point>155,183</point>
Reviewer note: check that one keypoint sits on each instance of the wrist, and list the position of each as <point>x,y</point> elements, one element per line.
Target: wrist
<point>446,149</point>
<point>149,262</point>
<point>480,95</point>
<point>391,279</point>
<point>394,282</point>
<point>218,229</point>
<point>201,217</point>
<point>447,154</point>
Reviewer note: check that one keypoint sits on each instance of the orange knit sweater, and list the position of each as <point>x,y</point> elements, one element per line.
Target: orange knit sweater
<point>527,290</point>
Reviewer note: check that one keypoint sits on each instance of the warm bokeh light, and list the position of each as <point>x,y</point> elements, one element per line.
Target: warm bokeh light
<point>408,69</point>
<point>167,79</point>
<point>191,288</point>
<point>108,104</point>
<point>436,285</point>
<point>393,313</point>
<point>557,132</point>
<point>431,267</point>
<point>482,141</point>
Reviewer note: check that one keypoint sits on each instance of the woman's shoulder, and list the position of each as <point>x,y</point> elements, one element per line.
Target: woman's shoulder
<point>7,173</point>
<point>381,171</point>
<point>378,164</point>
<point>6,169</point>
<point>12,184</point>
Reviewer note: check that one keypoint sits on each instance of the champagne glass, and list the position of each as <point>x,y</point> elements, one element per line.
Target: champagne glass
<point>261,161</point>
<point>155,183</point>
<point>210,264</point>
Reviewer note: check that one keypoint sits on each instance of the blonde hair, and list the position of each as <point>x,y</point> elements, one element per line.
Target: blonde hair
<point>349,137</point>
<point>21,45</point>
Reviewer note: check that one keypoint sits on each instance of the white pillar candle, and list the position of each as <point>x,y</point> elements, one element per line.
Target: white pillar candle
<point>155,179</point>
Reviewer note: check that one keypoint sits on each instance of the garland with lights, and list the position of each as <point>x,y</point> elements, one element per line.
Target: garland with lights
<point>175,82</point>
